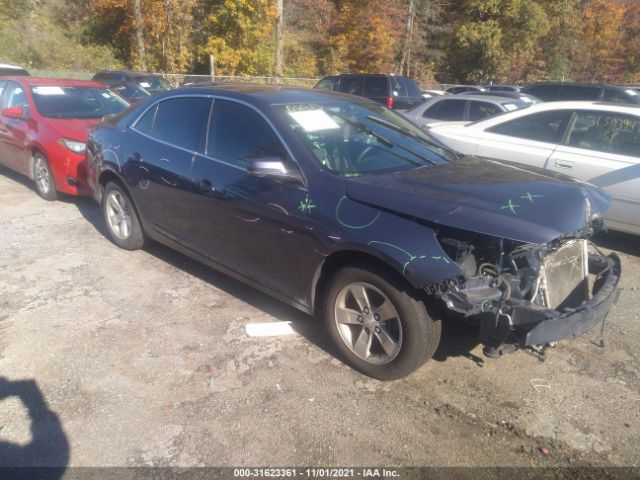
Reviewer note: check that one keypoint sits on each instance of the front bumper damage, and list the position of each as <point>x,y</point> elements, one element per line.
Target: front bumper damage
<point>535,326</point>
<point>514,308</point>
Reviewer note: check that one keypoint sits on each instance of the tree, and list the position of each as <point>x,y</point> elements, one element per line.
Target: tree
<point>137,12</point>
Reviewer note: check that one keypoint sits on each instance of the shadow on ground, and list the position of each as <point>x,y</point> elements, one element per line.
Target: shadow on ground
<point>48,446</point>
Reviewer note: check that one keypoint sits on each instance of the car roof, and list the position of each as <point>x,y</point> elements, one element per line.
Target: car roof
<point>129,72</point>
<point>54,82</point>
<point>484,98</point>
<point>269,94</point>
<point>8,65</point>
<point>576,84</point>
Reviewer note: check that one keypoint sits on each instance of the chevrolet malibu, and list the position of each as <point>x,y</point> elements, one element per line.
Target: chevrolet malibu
<point>43,129</point>
<point>345,210</point>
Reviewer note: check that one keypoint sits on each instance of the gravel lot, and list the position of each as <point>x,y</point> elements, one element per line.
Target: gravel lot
<point>142,358</point>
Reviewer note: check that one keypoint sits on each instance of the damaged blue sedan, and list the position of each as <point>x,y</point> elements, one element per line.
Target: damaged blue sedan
<point>345,210</point>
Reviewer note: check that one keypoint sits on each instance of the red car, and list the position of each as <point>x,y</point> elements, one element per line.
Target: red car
<point>43,129</point>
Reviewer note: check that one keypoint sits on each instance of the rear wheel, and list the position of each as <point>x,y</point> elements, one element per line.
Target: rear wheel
<point>121,218</point>
<point>43,178</point>
<point>378,326</point>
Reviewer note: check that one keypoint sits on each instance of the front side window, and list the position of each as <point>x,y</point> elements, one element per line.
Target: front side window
<point>479,110</point>
<point>182,122</point>
<point>543,127</point>
<point>351,138</point>
<point>76,102</point>
<point>606,132</point>
<point>238,134</point>
<point>15,97</point>
<point>412,88</point>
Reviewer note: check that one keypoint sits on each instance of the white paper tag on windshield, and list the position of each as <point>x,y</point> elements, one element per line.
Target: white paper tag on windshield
<point>314,120</point>
<point>510,106</point>
<point>144,84</point>
<point>48,91</point>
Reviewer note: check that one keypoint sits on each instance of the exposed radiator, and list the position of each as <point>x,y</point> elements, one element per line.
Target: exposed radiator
<point>565,272</point>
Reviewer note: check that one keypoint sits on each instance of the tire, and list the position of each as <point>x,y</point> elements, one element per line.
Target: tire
<point>42,177</point>
<point>415,334</point>
<point>121,218</point>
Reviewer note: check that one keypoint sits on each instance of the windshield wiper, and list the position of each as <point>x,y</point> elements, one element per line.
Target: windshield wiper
<point>408,133</point>
<point>383,139</point>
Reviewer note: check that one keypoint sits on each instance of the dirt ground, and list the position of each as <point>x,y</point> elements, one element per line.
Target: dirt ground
<point>116,358</point>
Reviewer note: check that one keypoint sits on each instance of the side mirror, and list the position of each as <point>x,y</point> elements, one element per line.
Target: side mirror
<point>274,167</point>
<point>17,112</point>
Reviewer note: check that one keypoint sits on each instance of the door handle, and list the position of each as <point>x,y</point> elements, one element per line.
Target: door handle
<point>564,164</point>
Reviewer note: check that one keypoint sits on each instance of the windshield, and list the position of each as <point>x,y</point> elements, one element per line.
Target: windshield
<point>352,138</point>
<point>76,102</point>
<point>131,92</point>
<point>153,83</point>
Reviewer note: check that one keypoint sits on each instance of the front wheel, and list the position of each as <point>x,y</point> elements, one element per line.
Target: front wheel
<point>380,328</point>
<point>121,218</point>
<point>43,178</point>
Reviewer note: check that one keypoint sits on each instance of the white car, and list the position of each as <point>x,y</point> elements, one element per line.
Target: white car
<point>595,142</point>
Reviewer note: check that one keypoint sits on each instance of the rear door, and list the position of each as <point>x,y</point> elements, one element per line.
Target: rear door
<point>376,87</point>
<point>530,139</point>
<point>603,148</point>
<point>161,149</point>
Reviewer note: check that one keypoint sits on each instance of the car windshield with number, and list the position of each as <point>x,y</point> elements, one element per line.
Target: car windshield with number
<point>76,102</point>
<point>351,138</point>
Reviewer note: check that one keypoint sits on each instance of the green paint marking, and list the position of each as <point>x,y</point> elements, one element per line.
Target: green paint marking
<point>408,254</point>
<point>511,206</point>
<point>530,197</point>
<point>355,227</point>
<point>444,259</point>
<point>306,205</point>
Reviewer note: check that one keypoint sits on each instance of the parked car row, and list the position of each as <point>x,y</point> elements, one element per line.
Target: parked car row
<point>332,203</point>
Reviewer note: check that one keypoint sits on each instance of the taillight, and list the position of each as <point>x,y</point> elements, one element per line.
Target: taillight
<point>389,102</point>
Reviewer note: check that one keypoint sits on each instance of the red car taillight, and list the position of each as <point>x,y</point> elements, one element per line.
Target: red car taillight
<point>389,102</point>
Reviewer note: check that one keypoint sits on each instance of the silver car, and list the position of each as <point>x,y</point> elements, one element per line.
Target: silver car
<point>461,108</point>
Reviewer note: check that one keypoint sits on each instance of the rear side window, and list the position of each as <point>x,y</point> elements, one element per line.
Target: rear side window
<point>479,110</point>
<point>145,124</point>
<point>397,87</point>
<point>450,110</point>
<point>606,132</point>
<point>548,93</point>
<point>578,92</point>
<point>2,87</point>
<point>352,85</point>
<point>543,127</point>
<point>376,87</point>
<point>228,140</point>
<point>182,122</point>
<point>412,88</point>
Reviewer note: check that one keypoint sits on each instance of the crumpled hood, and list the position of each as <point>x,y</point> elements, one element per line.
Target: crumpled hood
<point>485,196</point>
<point>72,128</point>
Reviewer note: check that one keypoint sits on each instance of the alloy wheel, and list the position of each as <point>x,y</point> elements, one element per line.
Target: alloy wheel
<point>118,214</point>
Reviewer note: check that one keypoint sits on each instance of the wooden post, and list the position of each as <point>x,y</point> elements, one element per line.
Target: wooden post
<point>212,67</point>
<point>279,39</point>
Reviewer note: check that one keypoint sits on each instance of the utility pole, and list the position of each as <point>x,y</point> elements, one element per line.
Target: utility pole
<point>406,45</point>
<point>279,39</point>
<point>137,12</point>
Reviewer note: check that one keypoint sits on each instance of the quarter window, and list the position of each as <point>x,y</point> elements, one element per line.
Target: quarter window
<point>238,134</point>
<point>606,132</point>
<point>544,127</point>
<point>616,96</point>
<point>182,121</point>
<point>145,124</point>
<point>15,97</point>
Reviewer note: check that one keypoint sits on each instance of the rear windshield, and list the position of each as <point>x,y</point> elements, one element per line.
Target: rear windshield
<point>14,72</point>
<point>76,102</point>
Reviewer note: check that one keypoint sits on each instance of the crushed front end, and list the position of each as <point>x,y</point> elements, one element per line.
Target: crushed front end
<point>528,294</point>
